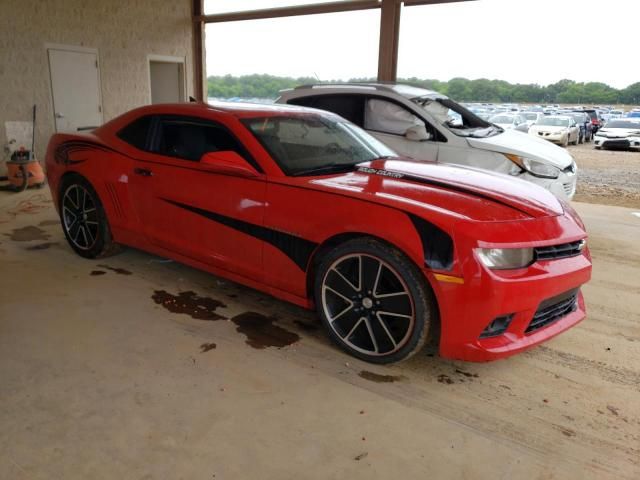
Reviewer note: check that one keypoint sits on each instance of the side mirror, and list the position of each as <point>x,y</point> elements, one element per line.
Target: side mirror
<point>228,162</point>
<point>417,133</point>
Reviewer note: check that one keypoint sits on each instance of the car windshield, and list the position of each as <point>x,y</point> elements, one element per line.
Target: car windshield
<point>530,116</point>
<point>554,122</point>
<point>623,124</point>
<point>312,144</point>
<point>456,118</point>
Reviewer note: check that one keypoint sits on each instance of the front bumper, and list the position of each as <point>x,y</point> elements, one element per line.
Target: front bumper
<point>562,187</point>
<point>620,142</point>
<point>467,309</point>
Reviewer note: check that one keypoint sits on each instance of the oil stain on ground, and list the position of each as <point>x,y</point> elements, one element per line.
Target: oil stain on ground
<point>376,377</point>
<point>41,246</point>
<point>95,273</point>
<point>205,347</point>
<point>27,234</point>
<point>119,271</point>
<point>47,223</point>
<point>189,303</point>
<point>261,332</point>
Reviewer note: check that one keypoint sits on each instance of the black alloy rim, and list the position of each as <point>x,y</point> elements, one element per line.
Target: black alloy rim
<point>368,304</point>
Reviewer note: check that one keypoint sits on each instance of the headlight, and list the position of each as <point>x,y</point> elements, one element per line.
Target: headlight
<point>534,167</point>
<point>505,258</point>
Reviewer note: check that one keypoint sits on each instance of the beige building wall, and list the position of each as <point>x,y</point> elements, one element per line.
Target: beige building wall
<point>124,32</point>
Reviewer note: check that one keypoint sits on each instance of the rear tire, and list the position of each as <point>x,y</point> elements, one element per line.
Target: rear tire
<point>373,301</point>
<point>84,220</point>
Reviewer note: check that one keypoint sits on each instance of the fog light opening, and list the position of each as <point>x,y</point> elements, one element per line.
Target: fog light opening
<point>497,326</point>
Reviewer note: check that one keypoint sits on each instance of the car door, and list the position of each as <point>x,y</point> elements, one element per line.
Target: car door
<point>388,121</point>
<point>189,208</point>
<point>575,131</point>
<point>360,110</point>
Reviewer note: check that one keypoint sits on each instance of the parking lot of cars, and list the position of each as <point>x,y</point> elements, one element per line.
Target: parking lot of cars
<point>611,128</point>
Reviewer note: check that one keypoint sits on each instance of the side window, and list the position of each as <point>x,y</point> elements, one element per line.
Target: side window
<point>189,139</point>
<point>388,117</point>
<point>350,107</point>
<point>137,133</point>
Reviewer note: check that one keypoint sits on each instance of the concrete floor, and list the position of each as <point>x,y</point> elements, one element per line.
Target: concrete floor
<point>98,379</point>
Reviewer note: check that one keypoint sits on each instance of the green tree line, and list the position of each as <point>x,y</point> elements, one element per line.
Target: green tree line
<point>460,89</point>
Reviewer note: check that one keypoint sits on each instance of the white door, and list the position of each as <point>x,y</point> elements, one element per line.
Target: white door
<point>167,82</point>
<point>75,84</point>
<point>421,151</point>
<point>388,122</point>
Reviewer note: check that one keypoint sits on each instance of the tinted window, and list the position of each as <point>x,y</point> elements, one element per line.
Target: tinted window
<point>189,138</point>
<point>350,107</point>
<point>136,133</point>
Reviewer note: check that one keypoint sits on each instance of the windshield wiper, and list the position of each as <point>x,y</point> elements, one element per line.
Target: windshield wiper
<point>325,169</point>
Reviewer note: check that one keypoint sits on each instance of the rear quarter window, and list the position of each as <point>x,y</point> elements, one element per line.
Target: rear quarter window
<point>349,107</point>
<point>136,133</point>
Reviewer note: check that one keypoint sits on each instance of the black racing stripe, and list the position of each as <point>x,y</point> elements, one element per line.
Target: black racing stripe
<point>298,249</point>
<point>62,152</point>
<point>439,184</point>
<point>437,245</point>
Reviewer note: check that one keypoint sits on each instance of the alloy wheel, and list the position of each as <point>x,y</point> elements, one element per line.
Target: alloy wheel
<point>368,304</point>
<point>80,217</point>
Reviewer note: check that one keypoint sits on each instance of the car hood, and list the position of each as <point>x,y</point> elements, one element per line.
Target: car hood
<point>524,145</point>
<point>464,191</point>
<point>619,132</point>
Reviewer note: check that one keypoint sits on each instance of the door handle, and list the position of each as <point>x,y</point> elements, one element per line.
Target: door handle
<point>143,171</point>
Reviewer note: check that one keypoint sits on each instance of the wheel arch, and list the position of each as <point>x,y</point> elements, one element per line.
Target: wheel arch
<point>63,182</point>
<point>336,240</point>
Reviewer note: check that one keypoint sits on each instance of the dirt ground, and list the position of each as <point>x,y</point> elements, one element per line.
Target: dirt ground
<point>139,368</point>
<point>608,177</point>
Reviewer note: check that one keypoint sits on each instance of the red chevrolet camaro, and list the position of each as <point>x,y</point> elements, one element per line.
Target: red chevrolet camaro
<point>307,207</point>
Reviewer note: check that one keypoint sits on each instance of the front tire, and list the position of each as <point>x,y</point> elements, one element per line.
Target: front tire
<point>373,301</point>
<point>84,220</point>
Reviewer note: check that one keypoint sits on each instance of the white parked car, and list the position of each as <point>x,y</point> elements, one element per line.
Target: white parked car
<point>510,121</point>
<point>532,117</point>
<point>557,129</point>
<point>428,126</point>
<point>619,133</point>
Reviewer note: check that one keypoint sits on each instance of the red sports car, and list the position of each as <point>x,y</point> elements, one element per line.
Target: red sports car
<point>307,207</point>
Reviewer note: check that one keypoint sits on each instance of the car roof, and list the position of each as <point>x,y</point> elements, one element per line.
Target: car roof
<point>236,109</point>
<point>406,90</point>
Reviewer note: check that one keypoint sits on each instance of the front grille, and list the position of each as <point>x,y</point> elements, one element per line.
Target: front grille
<point>553,309</point>
<point>564,250</point>
<point>617,143</point>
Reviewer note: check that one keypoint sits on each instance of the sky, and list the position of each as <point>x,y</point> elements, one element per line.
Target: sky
<point>520,41</point>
